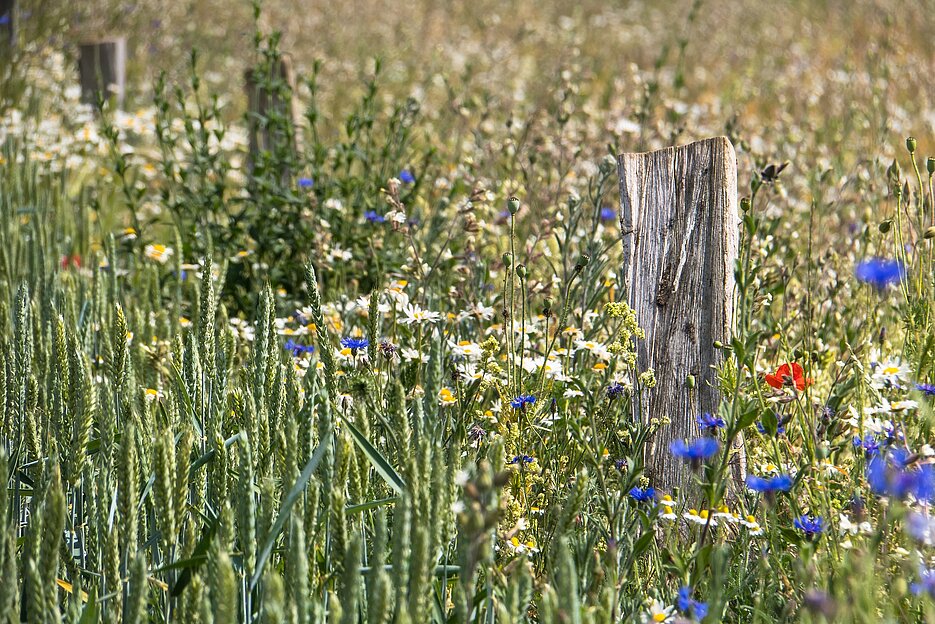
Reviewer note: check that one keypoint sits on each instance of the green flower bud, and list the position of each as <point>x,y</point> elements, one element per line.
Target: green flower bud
<point>583,261</point>
<point>930,165</point>
<point>885,226</point>
<point>690,381</point>
<point>929,232</point>
<point>513,205</point>
<point>521,271</point>
<point>745,204</point>
<point>507,259</point>
<point>911,145</point>
<point>608,164</point>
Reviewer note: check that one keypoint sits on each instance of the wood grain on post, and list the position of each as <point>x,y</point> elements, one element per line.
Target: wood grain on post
<point>680,230</point>
<point>261,102</point>
<point>102,67</point>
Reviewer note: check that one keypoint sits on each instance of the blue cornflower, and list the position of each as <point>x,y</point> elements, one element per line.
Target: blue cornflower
<point>406,177</point>
<point>608,214</point>
<point>926,389</point>
<point>769,485</point>
<point>869,445</point>
<point>4,19</point>
<point>372,216</point>
<point>306,183</point>
<point>695,451</point>
<point>688,607</point>
<point>710,423</point>
<point>926,584</point>
<point>522,400</point>
<point>354,343</point>
<point>880,272</point>
<point>522,460</point>
<point>642,495</point>
<point>298,349</point>
<point>615,391</point>
<point>812,527</point>
<point>897,475</point>
<point>780,428</point>
<point>891,433</point>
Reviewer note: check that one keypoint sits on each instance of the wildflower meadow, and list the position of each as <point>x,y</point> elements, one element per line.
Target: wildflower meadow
<point>322,312</point>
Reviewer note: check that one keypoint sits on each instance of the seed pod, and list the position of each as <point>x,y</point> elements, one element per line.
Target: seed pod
<point>512,205</point>
<point>929,232</point>
<point>911,145</point>
<point>885,226</point>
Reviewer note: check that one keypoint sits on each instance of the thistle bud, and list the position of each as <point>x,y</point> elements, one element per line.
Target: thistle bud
<point>521,271</point>
<point>893,173</point>
<point>745,204</point>
<point>513,205</point>
<point>911,145</point>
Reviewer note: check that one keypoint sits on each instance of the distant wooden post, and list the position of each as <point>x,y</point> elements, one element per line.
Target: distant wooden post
<point>263,102</point>
<point>680,230</point>
<point>7,26</point>
<point>102,67</point>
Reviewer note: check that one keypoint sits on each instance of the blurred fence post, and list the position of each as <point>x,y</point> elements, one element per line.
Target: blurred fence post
<point>102,67</point>
<point>275,98</point>
<point>7,25</point>
<point>680,231</point>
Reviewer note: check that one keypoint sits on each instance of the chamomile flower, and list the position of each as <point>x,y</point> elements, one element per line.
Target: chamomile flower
<point>159,253</point>
<point>446,397</point>
<point>751,523</point>
<point>527,547</point>
<point>657,612</point>
<point>890,374</point>
<point>699,517</point>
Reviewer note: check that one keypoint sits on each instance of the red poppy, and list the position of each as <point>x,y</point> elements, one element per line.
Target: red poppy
<point>67,261</point>
<point>793,372</point>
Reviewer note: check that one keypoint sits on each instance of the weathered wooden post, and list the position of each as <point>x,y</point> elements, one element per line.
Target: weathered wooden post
<point>680,230</point>
<point>102,67</point>
<point>263,101</point>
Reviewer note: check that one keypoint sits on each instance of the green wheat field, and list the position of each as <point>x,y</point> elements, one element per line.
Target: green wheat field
<point>323,317</point>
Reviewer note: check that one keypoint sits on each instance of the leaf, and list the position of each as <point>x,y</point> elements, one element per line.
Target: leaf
<point>770,423</point>
<point>188,565</point>
<point>186,399</point>
<point>209,456</point>
<point>70,589</point>
<point>380,464</point>
<point>89,615</point>
<point>642,544</point>
<point>350,509</point>
<point>287,504</point>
